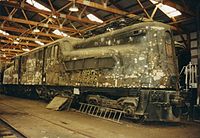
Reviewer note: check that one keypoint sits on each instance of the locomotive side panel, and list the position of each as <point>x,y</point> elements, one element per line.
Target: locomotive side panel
<point>41,66</point>
<point>8,75</point>
<point>54,69</point>
<point>11,75</point>
<point>31,68</point>
<point>137,58</point>
<point>56,72</point>
<point>51,66</point>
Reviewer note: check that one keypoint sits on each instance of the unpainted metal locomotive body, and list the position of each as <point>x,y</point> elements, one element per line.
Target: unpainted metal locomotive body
<point>133,69</point>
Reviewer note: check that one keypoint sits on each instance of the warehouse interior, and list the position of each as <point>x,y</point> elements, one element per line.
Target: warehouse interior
<point>100,68</point>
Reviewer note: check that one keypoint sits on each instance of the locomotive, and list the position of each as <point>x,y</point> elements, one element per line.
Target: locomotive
<point>133,69</point>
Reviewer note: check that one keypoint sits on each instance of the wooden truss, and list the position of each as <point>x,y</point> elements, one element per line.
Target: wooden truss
<point>74,24</point>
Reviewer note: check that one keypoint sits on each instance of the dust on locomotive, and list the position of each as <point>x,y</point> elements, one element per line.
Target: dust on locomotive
<point>133,69</point>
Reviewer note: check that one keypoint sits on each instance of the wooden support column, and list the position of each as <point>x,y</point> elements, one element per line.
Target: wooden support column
<point>188,46</point>
<point>188,42</point>
<point>198,52</point>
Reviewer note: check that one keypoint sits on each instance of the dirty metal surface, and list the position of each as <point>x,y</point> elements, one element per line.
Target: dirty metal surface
<point>57,103</point>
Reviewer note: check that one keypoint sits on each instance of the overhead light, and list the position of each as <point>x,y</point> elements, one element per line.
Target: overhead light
<point>94,18</point>
<point>4,55</point>
<point>37,5</point>
<point>54,16</point>
<point>15,42</point>
<point>109,29</point>
<point>26,49</point>
<point>73,8</point>
<point>168,10</point>
<point>57,32</point>
<point>36,30</point>
<point>4,33</point>
<point>17,39</point>
<point>154,1</point>
<point>38,42</point>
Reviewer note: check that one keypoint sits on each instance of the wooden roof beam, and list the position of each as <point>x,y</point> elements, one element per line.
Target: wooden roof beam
<point>109,9</point>
<point>13,29</point>
<point>11,50</point>
<point>11,46</point>
<point>9,53</point>
<point>178,7</point>
<point>7,59</point>
<point>25,38</point>
<point>18,20</point>
<point>20,43</point>
<point>4,59</point>
<point>33,9</point>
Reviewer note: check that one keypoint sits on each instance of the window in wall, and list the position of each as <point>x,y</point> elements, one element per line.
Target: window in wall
<point>90,63</point>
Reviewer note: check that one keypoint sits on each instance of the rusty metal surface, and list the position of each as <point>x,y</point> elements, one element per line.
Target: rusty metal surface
<point>143,56</point>
<point>139,59</point>
<point>137,56</point>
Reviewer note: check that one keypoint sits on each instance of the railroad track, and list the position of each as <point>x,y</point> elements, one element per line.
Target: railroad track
<point>7,131</point>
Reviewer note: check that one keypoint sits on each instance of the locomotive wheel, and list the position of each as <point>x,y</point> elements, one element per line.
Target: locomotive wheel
<point>185,110</point>
<point>129,109</point>
<point>141,119</point>
<point>176,111</point>
<point>94,102</point>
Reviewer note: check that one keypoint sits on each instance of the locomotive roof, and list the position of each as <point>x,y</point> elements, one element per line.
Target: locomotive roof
<point>128,28</point>
<point>141,25</point>
<point>62,39</point>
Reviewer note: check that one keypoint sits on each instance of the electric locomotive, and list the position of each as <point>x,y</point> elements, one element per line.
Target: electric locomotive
<point>133,69</point>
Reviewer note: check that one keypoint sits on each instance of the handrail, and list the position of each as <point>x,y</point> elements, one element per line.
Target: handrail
<point>191,76</point>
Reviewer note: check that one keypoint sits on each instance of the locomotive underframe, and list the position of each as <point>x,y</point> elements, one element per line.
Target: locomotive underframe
<point>148,104</point>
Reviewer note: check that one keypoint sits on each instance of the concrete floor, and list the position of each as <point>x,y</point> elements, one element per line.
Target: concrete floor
<point>35,121</point>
